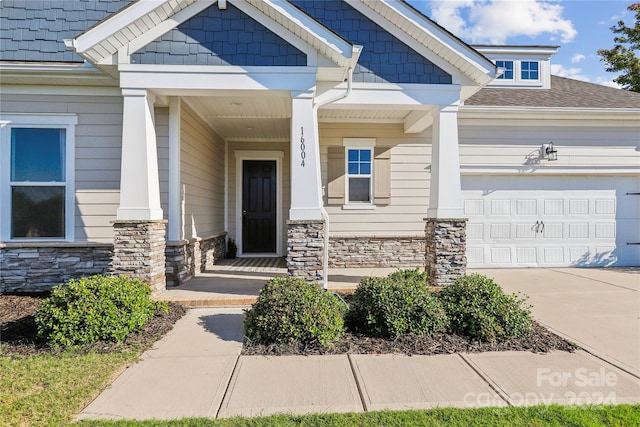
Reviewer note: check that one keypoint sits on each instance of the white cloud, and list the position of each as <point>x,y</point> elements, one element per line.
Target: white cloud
<point>577,57</point>
<point>495,21</point>
<point>607,81</point>
<point>571,72</point>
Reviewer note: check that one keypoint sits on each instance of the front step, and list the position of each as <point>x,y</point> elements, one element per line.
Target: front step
<point>229,300</point>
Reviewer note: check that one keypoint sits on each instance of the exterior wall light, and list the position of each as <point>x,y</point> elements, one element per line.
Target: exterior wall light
<point>548,152</point>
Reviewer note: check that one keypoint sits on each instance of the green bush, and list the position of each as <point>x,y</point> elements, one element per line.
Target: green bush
<point>96,308</point>
<point>395,305</point>
<point>415,276</point>
<point>290,310</point>
<point>479,308</point>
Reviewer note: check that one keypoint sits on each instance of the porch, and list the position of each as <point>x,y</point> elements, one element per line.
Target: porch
<point>237,282</point>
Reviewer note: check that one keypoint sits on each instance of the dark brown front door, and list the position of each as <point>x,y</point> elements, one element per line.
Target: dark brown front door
<point>259,206</point>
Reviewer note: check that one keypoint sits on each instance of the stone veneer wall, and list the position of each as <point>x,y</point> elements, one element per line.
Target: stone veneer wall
<point>138,251</point>
<point>446,258</point>
<point>37,267</point>
<point>305,254</point>
<point>376,251</point>
<point>186,258</point>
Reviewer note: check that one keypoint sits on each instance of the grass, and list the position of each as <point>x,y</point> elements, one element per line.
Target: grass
<point>45,390</point>
<point>622,415</point>
<point>48,390</point>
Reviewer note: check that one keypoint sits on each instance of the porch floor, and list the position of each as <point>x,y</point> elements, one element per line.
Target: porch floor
<point>237,282</point>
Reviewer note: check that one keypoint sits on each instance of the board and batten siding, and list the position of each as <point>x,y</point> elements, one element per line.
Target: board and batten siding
<point>97,153</point>
<point>410,159</point>
<point>201,177</point>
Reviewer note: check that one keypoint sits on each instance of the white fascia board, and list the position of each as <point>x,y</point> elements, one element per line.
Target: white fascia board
<point>187,77</point>
<point>410,28</point>
<point>34,89</point>
<point>397,94</point>
<point>325,41</point>
<point>531,170</point>
<point>168,25</point>
<point>509,51</point>
<point>114,24</point>
<point>485,115</point>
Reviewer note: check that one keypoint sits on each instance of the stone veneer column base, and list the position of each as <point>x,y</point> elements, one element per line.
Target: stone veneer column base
<point>187,258</point>
<point>446,247</point>
<point>139,251</point>
<point>305,244</point>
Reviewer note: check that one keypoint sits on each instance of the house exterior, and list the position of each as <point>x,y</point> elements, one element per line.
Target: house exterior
<point>138,137</point>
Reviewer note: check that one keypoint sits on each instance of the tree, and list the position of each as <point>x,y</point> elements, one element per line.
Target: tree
<point>623,55</point>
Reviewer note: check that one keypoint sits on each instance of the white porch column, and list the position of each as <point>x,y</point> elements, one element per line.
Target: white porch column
<point>306,228</point>
<point>445,199</point>
<point>306,191</point>
<point>446,229</point>
<point>139,183</point>
<point>139,230</point>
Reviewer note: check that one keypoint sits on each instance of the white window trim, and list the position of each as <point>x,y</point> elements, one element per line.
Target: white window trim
<point>50,121</point>
<point>278,157</point>
<point>358,143</point>
<point>513,70</point>
<point>520,70</point>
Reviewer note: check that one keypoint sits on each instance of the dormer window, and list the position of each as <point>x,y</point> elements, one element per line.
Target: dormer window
<point>507,68</point>
<point>529,70</point>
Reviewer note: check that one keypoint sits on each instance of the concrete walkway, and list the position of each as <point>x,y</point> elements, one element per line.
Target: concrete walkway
<point>597,308</point>
<point>197,370</point>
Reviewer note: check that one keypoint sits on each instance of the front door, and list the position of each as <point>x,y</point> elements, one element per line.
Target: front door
<point>259,206</point>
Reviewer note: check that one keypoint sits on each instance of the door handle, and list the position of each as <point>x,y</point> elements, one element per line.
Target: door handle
<point>244,212</point>
<point>542,224</point>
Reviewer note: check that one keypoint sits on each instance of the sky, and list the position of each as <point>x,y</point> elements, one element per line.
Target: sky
<point>579,27</point>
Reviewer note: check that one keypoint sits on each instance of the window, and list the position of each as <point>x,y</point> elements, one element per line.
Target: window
<point>507,67</point>
<point>37,187</point>
<point>359,164</point>
<point>529,70</point>
<point>359,175</point>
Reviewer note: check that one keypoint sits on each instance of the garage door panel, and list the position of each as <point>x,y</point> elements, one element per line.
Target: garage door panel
<point>578,207</point>
<point>552,221</point>
<point>552,230</point>
<point>579,230</point>
<point>554,207</point>
<point>527,207</point>
<point>526,255</point>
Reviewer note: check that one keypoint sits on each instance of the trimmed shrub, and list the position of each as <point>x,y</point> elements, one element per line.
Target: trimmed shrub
<point>415,276</point>
<point>290,310</point>
<point>394,305</point>
<point>479,308</point>
<point>96,308</point>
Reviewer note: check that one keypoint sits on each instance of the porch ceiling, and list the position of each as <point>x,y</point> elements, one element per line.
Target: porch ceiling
<point>242,118</point>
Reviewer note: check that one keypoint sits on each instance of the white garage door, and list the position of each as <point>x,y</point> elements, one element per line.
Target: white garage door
<point>552,221</point>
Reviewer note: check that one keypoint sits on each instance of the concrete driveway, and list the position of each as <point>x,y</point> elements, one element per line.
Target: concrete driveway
<point>597,308</point>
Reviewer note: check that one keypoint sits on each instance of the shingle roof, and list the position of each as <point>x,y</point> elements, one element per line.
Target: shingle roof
<point>564,93</point>
<point>34,30</point>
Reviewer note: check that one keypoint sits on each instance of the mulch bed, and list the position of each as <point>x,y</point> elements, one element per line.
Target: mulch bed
<point>540,340</point>
<point>18,329</point>
<point>18,336</point>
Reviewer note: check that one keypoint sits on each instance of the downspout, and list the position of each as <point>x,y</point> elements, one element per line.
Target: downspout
<point>323,211</point>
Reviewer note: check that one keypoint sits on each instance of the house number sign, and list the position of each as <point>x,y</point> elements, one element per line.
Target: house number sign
<point>303,154</point>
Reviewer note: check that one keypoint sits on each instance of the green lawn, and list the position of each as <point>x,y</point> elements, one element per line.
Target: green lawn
<point>48,390</point>
<point>623,415</point>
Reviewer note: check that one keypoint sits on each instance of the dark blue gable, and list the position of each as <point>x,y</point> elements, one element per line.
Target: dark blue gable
<point>384,57</point>
<point>34,30</point>
<point>220,37</point>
